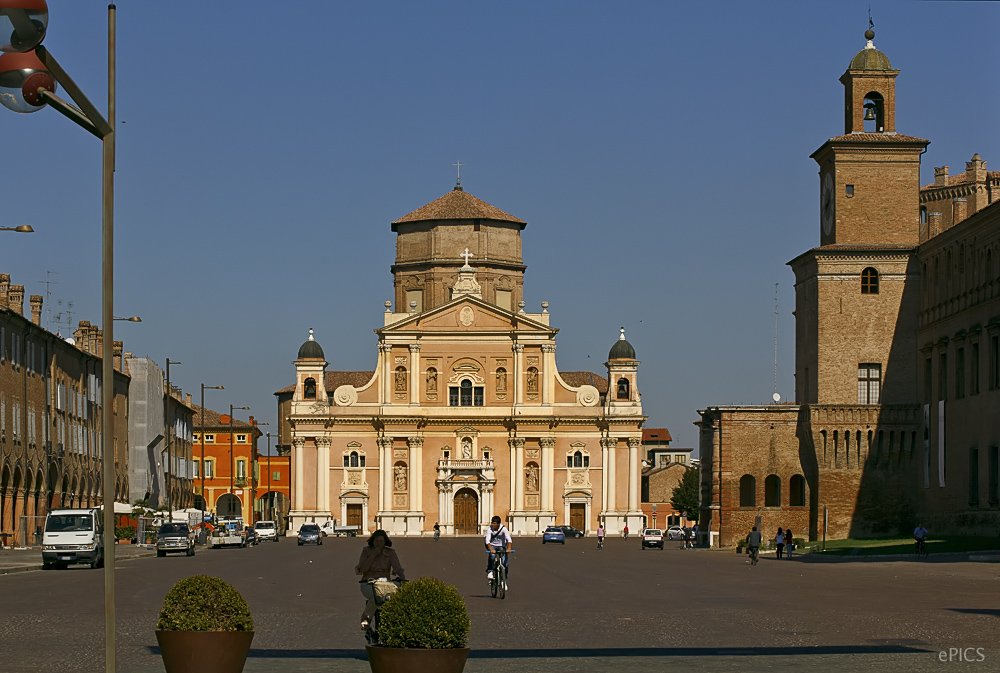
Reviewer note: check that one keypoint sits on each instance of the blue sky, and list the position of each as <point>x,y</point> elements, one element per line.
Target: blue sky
<point>658,151</point>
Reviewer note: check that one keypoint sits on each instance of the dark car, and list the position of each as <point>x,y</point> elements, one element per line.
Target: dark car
<point>309,533</point>
<point>569,531</point>
<point>174,537</point>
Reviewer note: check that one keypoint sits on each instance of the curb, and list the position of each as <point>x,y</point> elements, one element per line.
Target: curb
<point>38,566</point>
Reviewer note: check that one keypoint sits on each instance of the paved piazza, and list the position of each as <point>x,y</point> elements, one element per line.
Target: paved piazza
<point>570,608</point>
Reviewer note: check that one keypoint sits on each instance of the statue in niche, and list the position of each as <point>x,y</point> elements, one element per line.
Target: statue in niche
<point>501,380</point>
<point>400,477</point>
<point>531,478</point>
<point>432,380</point>
<point>532,380</point>
<point>466,447</point>
<point>400,380</point>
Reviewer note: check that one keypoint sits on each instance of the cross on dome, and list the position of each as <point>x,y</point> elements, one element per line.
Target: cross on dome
<point>466,255</point>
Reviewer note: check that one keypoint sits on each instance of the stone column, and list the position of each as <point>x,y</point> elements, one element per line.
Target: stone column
<point>384,473</point>
<point>416,445</point>
<point>548,372</point>
<point>385,356</point>
<point>633,473</point>
<point>612,480</point>
<point>323,474</point>
<point>414,375</point>
<point>548,449</point>
<point>518,374</point>
<point>518,471</point>
<point>298,443</point>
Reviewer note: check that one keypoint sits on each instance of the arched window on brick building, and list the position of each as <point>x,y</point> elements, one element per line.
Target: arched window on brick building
<point>797,491</point>
<point>772,491</point>
<point>748,491</point>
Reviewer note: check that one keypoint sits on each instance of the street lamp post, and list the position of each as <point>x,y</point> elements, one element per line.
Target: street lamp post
<point>27,84</point>
<point>21,229</point>
<point>232,463</point>
<point>168,474</point>
<point>201,526</point>
<point>256,461</point>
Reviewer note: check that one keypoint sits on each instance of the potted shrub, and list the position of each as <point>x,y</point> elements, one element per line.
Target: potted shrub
<point>204,625</point>
<point>423,627</point>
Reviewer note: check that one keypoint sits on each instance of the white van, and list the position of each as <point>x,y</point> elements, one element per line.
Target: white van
<point>73,536</point>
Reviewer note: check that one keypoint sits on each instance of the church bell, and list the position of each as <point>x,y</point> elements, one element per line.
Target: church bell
<point>870,112</point>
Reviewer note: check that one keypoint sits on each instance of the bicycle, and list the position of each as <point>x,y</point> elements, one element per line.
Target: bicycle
<point>754,555</point>
<point>600,543</point>
<point>437,535</point>
<point>498,583</point>
<point>920,548</point>
<point>372,629</point>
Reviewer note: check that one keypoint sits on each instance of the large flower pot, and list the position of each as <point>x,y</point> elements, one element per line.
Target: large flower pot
<point>201,651</point>
<point>405,660</point>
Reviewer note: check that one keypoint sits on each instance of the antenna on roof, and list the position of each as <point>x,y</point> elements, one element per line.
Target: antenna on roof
<point>776,397</point>
<point>458,179</point>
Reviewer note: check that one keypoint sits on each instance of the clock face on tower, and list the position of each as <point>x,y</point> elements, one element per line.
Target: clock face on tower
<point>826,204</point>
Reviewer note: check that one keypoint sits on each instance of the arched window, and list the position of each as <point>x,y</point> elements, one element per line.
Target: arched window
<point>923,214</point>
<point>748,491</point>
<point>772,491</point>
<point>869,281</point>
<point>466,393</point>
<point>577,459</point>
<point>309,389</point>
<point>623,389</point>
<point>354,458</point>
<point>797,491</point>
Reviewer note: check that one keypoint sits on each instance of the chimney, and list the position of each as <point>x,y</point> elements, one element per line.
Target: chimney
<point>97,340</point>
<point>934,224</point>
<point>975,170</point>
<point>187,399</point>
<point>960,208</point>
<point>16,302</point>
<point>4,289</point>
<point>117,347</point>
<point>80,335</point>
<point>941,176</point>
<point>36,309</point>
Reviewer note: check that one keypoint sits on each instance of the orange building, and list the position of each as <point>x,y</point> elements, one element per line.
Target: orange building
<point>274,493</point>
<point>225,458</point>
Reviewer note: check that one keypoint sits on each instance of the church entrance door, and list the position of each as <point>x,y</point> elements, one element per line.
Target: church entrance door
<point>578,515</point>
<point>466,512</point>
<point>354,515</point>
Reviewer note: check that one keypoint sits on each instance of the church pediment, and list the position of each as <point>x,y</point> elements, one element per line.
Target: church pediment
<point>467,314</point>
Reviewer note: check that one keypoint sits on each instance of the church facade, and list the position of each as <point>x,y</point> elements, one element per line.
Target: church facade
<point>465,415</point>
<point>897,351</point>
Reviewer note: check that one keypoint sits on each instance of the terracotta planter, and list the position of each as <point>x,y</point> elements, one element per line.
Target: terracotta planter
<point>199,651</point>
<point>405,660</point>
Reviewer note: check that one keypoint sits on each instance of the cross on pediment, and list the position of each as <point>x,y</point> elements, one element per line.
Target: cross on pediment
<point>466,255</point>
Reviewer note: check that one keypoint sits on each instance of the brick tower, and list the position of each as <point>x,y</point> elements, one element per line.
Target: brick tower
<point>854,291</point>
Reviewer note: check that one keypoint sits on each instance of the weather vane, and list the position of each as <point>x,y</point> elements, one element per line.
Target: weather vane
<point>871,24</point>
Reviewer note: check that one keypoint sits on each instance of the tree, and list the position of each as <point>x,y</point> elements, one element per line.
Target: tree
<point>686,495</point>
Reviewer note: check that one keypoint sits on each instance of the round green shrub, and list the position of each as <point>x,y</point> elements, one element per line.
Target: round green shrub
<point>124,532</point>
<point>204,603</point>
<point>426,614</point>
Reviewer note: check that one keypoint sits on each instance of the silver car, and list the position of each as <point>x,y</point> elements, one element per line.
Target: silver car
<point>675,533</point>
<point>174,537</point>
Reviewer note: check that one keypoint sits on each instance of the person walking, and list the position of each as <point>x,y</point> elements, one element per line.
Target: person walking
<point>600,536</point>
<point>779,541</point>
<point>625,532</point>
<point>788,543</point>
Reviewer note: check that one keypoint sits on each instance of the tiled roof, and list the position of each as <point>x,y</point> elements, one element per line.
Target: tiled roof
<point>877,138</point>
<point>458,205</point>
<point>962,178</point>
<point>577,379</point>
<point>212,419</point>
<point>656,435</point>
<point>336,379</point>
<point>852,247</point>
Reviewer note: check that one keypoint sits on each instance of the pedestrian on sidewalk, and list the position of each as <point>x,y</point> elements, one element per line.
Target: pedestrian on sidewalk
<point>789,546</point>
<point>779,541</point>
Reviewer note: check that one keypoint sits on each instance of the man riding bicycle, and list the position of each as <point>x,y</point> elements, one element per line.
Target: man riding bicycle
<point>920,535</point>
<point>497,539</point>
<point>753,543</point>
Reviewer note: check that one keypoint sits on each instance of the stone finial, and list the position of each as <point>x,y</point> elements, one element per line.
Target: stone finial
<point>388,307</point>
<point>520,306</point>
<point>622,337</point>
<point>413,306</point>
<point>311,335</point>
<point>545,307</point>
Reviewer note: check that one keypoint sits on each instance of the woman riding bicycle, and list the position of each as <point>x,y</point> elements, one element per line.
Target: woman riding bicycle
<point>378,560</point>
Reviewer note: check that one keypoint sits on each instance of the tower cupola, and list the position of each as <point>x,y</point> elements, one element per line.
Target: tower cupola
<point>869,91</point>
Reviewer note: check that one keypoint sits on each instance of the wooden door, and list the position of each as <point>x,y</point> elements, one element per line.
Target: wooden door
<point>578,515</point>
<point>354,515</point>
<point>466,512</point>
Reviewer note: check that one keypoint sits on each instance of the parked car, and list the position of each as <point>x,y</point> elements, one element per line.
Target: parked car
<point>652,537</point>
<point>174,537</point>
<point>266,531</point>
<point>309,533</point>
<point>554,534</point>
<point>73,536</point>
<point>569,531</point>
<point>331,528</point>
<point>675,533</point>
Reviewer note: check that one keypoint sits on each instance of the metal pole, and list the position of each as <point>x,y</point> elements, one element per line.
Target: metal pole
<point>166,437</point>
<point>202,524</point>
<point>231,470</point>
<point>270,495</point>
<point>107,356</point>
